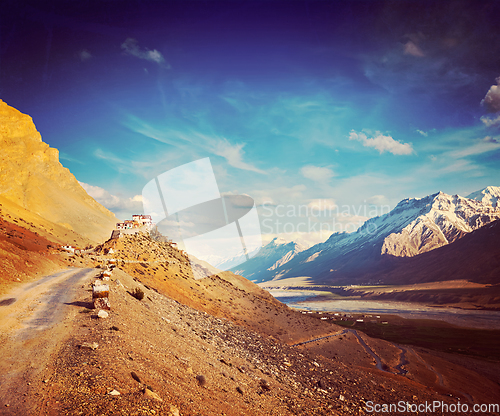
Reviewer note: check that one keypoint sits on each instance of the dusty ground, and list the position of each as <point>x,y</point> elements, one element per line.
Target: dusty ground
<point>212,346</point>
<point>34,321</point>
<point>168,345</point>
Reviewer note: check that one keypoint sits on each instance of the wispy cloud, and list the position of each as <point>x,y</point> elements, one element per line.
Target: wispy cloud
<point>411,48</point>
<point>65,156</point>
<point>217,145</point>
<point>479,146</point>
<point>84,55</point>
<point>131,47</point>
<point>112,202</point>
<point>317,173</point>
<point>144,168</point>
<point>382,143</point>
<point>459,166</point>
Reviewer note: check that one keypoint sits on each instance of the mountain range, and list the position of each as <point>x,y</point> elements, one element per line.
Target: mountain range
<point>386,243</point>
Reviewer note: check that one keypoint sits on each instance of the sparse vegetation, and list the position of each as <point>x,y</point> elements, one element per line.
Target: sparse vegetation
<point>138,293</point>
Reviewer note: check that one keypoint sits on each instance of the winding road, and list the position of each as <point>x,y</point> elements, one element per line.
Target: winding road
<point>33,322</point>
<point>378,361</point>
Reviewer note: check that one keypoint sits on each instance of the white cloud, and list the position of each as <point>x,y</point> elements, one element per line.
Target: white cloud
<point>493,120</point>
<point>113,202</point>
<point>317,173</point>
<point>131,47</point>
<point>382,143</point>
<point>423,133</point>
<point>492,98</point>
<point>322,205</point>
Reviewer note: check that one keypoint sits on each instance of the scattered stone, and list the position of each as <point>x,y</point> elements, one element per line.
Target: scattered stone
<point>135,376</point>
<point>315,363</point>
<point>152,395</point>
<point>223,361</point>
<point>114,393</point>
<point>322,384</point>
<point>89,346</point>
<point>114,328</point>
<point>173,411</point>
<point>264,384</point>
<point>201,380</point>
<point>102,303</point>
<point>239,390</point>
<point>341,398</point>
<point>102,314</point>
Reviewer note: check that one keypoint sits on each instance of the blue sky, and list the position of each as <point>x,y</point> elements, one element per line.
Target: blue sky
<point>352,105</point>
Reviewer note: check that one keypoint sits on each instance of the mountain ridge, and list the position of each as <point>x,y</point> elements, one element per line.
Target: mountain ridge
<point>413,227</point>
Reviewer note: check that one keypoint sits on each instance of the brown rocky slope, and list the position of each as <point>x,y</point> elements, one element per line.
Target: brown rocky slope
<point>158,356</point>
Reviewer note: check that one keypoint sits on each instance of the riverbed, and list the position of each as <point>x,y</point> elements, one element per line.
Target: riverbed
<point>305,300</point>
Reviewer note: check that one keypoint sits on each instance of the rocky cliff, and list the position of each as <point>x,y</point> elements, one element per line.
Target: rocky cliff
<point>31,177</point>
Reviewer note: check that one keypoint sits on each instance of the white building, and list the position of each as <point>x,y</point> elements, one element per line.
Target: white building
<point>143,219</point>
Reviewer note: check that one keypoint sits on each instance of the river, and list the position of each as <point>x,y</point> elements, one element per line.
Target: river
<point>411,310</point>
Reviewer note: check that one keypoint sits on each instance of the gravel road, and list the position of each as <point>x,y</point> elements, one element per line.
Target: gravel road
<point>34,320</point>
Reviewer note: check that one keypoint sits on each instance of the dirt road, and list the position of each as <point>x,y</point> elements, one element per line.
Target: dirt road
<point>34,320</point>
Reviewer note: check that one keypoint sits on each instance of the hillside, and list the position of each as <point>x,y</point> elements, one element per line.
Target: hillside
<point>25,254</point>
<point>223,294</point>
<point>161,357</point>
<point>33,179</point>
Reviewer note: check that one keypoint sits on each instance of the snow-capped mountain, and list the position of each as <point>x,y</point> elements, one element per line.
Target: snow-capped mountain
<point>270,257</point>
<point>489,195</point>
<point>414,226</point>
<point>224,263</point>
